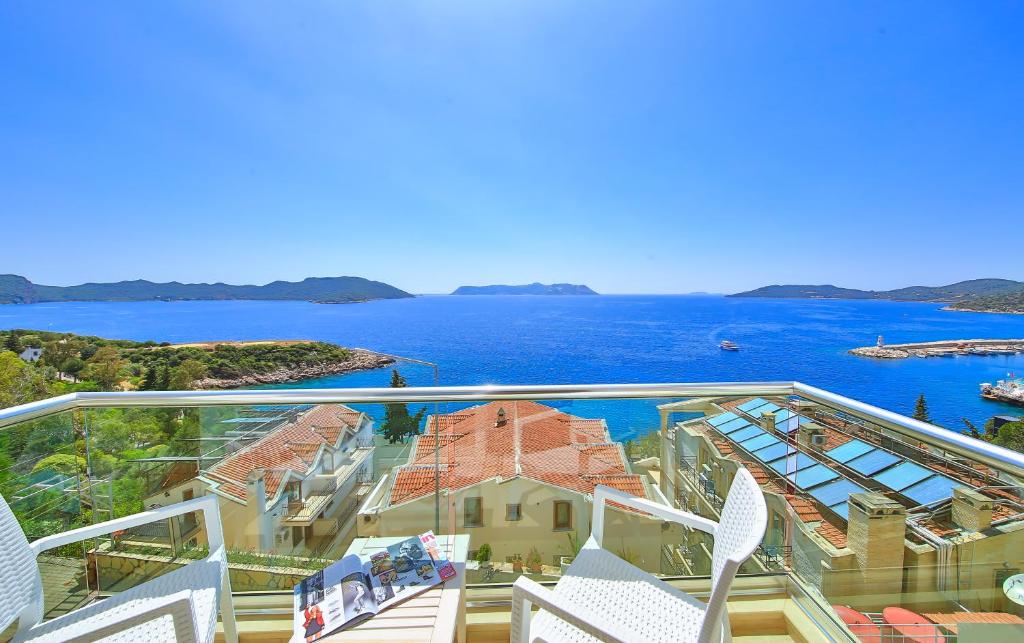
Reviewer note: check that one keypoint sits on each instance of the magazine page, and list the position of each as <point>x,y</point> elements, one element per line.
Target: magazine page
<point>335,597</point>
<point>444,567</point>
<point>402,570</point>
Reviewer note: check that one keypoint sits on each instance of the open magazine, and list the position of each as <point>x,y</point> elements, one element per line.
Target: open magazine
<point>355,588</point>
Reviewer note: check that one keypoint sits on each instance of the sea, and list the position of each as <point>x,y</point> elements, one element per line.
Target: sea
<point>597,339</point>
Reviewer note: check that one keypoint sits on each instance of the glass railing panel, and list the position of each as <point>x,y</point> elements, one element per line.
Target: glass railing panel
<point>44,479</point>
<point>862,518</point>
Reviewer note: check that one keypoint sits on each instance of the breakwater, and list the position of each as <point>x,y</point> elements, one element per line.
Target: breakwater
<point>943,348</point>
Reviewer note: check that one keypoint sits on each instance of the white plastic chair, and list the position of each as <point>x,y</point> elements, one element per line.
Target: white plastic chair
<point>603,598</point>
<point>178,606</point>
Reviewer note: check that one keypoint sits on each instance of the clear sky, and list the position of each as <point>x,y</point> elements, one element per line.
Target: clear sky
<point>632,146</point>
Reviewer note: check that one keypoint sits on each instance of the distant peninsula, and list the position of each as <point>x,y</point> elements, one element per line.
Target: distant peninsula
<point>982,295</point>
<point>15,289</point>
<point>527,289</point>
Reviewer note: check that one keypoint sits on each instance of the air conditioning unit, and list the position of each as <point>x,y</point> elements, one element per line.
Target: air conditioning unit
<point>818,439</point>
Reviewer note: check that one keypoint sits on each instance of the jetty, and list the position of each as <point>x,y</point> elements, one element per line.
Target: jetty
<point>945,348</point>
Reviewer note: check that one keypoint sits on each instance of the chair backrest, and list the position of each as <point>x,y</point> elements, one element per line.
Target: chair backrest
<point>740,530</point>
<point>19,574</point>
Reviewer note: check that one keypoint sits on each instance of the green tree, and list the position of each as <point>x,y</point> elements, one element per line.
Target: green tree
<point>104,367</point>
<point>398,424</point>
<point>62,463</point>
<point>1009,435</point>
<point>163,380</point>
<point>57,352</point>
<point>973,430</point>
<point>921,410</point>
<point>73,367</point>
<point>13,343</point>
<point>186,374</point>
<point>19,382</point>
<point>149,380</point>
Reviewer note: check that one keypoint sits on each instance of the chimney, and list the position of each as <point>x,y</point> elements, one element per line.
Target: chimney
<point>501,417</point>
<point>972,511</point>
<point>876,532</point>
<point>811,436</point>
<point>768,421</point>
<point>259,527</point>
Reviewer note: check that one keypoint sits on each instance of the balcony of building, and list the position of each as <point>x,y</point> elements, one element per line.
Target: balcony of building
<point>521,483</point>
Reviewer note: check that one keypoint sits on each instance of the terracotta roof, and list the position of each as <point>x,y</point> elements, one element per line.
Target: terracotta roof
<point>289,448</point>
<point>805,509</point>
<point>833,534</point>
<point>535,441</point>
<point>177,473</point>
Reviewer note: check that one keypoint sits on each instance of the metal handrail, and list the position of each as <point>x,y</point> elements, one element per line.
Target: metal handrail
<point>1002,459</point>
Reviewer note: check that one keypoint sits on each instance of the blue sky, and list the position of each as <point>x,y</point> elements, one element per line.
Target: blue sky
<point>632,146</point>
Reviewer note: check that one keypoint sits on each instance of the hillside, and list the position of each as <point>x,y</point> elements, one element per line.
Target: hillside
<point>15,289</point>
<point>1011,302</point>
<point>119,363</point>
<point>963,291</point>
<point>527,289</point>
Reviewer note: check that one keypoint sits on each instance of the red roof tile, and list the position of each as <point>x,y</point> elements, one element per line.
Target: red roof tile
<point>535,441</point>
<point>292,447</point>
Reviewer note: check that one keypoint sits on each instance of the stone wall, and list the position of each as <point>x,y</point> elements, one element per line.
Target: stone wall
<point>119,570</point>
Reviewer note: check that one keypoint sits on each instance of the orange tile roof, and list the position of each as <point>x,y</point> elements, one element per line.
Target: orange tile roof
<point>535,441</point>
<point>833,534</point>
<point>290,448</point>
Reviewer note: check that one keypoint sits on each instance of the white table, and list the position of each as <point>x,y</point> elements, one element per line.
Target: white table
<point>438,615</point>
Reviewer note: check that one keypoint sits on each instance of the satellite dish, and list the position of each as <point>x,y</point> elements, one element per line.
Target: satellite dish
<point>1013,587</point>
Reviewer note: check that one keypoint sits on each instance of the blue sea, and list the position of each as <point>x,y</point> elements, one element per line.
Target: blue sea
<point>605,339</point>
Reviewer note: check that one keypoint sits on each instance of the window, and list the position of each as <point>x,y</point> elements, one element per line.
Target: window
<point>473,512</point>
<point>563,514</point>
<point>513,511</point>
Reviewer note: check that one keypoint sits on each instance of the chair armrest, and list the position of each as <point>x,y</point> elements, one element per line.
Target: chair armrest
<point>603,493</point>
<point>178,606</point>
<point>526,591</point>
<point>206,504</point>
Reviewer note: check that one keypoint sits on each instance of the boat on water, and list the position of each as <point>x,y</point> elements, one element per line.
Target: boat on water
<point>1010,391</point>
<point>726,345</point>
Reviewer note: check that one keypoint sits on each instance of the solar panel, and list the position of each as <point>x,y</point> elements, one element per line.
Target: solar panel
<point>792,463</point>
<point>773,452</point>
<point>758,442</point>
<point>791,424</point>
<point>873,461</point>
<point>846,452</point>
<point>903,475</point>
<point>752,404</point>
<point>931,489</point>
<point>746,434</point>
<point>835,492</point>
<point>719,420</point>
<point>733,425</point>
<point>843,509</point>
<point>813,476</point>
<point>761,410</point>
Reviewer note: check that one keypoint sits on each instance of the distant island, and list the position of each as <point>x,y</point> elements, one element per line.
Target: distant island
<point>527,289</point>
<point>15,289</point>
<point>982,295</point>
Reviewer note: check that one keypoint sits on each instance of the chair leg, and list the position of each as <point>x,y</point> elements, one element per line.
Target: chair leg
<point>520,626</point>
<point>227,609</point>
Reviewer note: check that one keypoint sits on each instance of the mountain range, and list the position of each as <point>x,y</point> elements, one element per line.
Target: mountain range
<point>527,289</point>
<point>15,289</point>
<point>1002,295</point>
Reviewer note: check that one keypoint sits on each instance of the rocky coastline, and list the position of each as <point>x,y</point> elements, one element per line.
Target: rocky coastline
<point>359,360</point>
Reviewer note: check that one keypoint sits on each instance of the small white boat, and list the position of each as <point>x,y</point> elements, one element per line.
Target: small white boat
<point>726,345</point>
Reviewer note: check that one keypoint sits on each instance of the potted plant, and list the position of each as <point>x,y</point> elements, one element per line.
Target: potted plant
<point>483,555</point>
<point>533,561</point>
<point>517,564</point>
